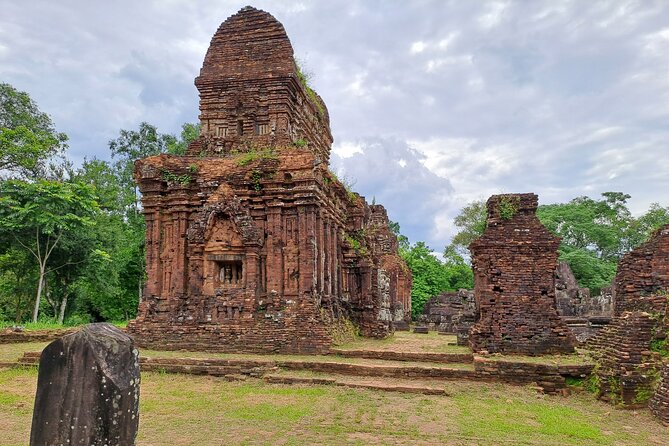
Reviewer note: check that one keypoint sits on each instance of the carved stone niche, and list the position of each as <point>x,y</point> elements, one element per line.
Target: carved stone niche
<point>224,255</point>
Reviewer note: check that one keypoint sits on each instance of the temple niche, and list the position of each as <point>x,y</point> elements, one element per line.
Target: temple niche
<point>252,244</point>
<point>514,264</point>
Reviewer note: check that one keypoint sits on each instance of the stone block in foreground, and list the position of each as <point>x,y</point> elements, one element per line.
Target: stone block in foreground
<point>88,390</point>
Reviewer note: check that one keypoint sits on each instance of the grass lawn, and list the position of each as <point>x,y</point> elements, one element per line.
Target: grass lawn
<point>404,341</point>
<point>196,410</point>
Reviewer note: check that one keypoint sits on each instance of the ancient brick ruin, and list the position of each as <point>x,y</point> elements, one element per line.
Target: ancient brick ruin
<point>451,312</point>
<point>659,403</point>
<point>514,265</point>
<point>252,243</point>
<point>627,369</point>
<point>642,280</point>
<point>585,315</point>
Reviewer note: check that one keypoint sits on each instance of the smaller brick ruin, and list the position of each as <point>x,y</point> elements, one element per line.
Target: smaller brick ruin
<point>627,369</point>
<point>659,403</point>
<point>514,264</point>
<point>451,312</point>
<point>575,301</point>
<point>585,315</point>
<point>643,276</point>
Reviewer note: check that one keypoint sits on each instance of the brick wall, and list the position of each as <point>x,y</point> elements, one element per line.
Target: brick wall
<point>514,265</point>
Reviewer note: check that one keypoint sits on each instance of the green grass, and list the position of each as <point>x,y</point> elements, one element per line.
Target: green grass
<point>574,359</point>
<point>51,325</point>
<point>515,418</point>
<point>403,341</point>
<point>197,410</point>
<point>12,352</point>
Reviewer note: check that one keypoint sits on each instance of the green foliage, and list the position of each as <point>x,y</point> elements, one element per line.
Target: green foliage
<point>304,78</point>
<point>660,346</point>
<point>256,178</point>
<point>402,240</point>
<point>590,271</point>
<point>357,241</point>
<point>575,381</point>
<point>432,276</point>
<point>178,145</point>
<point>507,207</point>
<point>172,177</point>
<point>50,220</point>
<point>252,155</point>
<point>28,138</point>
<point>301,142</point>
<point>643,394</point>
<point>471,223</point>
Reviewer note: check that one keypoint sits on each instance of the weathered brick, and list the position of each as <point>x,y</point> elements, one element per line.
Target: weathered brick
<point>252,243</point>
<point>514,265</point>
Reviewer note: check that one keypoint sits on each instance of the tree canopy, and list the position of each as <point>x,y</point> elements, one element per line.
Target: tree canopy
<point>28,138</point>
<point>595,233</point>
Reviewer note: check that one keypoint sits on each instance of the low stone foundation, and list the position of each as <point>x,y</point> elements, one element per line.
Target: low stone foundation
<point>297,328</point>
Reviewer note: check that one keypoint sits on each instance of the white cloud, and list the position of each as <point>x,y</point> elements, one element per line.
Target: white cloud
<point>560,98</point>
<point>417,47</point>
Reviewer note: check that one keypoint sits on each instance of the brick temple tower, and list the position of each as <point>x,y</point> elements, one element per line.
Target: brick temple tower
<point>252,244</point>
<point>514,265</point>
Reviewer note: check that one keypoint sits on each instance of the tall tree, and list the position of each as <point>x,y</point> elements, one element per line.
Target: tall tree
<point>432,276</point>
<point>28,138</point>
<point>39,216</point>
<point>471,222</point>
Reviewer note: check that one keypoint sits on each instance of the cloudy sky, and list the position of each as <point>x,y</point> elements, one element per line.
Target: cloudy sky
<point>433,104</point>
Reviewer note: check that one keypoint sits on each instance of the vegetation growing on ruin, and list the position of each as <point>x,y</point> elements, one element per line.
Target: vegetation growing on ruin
<point>304,78</point>
<point>256,178</point>
<point>507,207</point>
<point>172,177</point>
<point>660,346</point>
<point>301,142</point>
<point>595,233</point>
<point>357,241</point>
<point>254,154</point>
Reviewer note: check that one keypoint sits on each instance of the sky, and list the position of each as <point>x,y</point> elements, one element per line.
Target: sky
<point>433,104</point>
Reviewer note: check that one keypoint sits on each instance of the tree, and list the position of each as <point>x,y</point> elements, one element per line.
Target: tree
<point>39,217</point>
<point>595,233</point>
<point>27,136</point>
<point>432,276</point>
<point>130,146</point>
<point>402,240</point>
<point>599,226</point>
<point>471,222</point>
<point>189,133</point>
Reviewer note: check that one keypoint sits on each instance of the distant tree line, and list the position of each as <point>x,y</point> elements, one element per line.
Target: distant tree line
<point>71,239</point>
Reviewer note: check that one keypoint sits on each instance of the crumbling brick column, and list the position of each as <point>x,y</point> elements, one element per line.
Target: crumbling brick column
<point>626,368</point>
<point>659,403</point>
<point>514,265</point>
<point>642,279</point>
